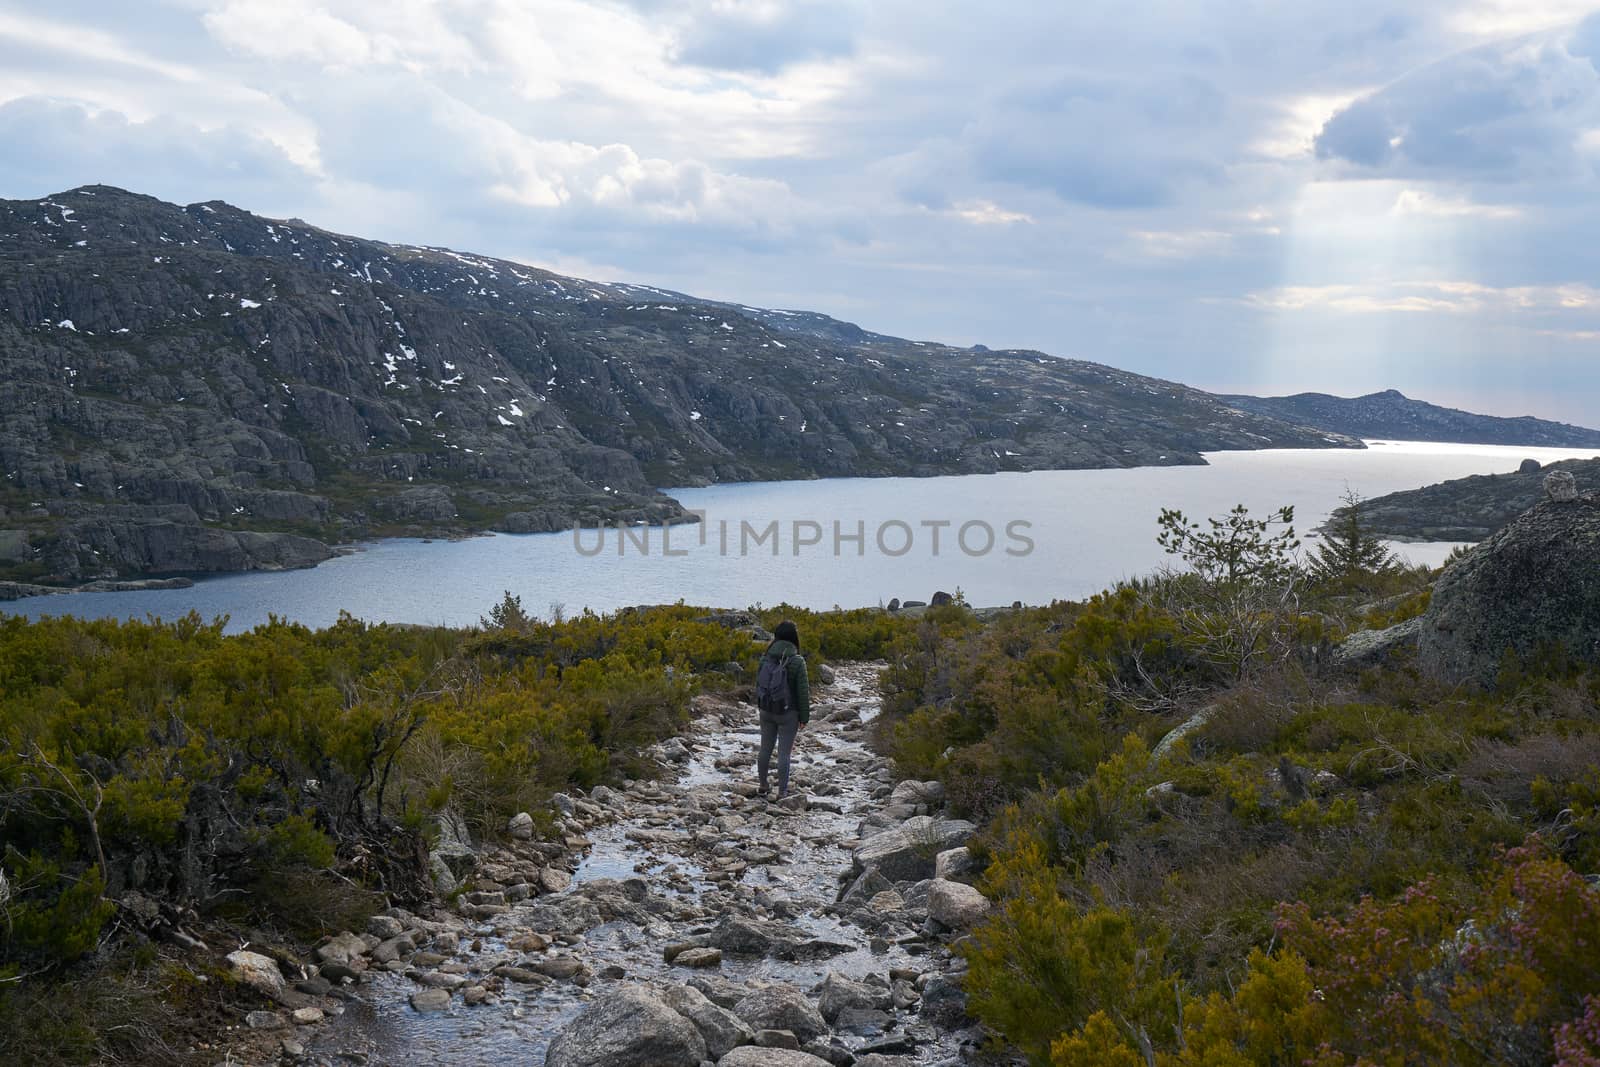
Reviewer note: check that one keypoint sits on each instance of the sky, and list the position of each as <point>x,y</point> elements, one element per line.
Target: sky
<point>1253,195</point>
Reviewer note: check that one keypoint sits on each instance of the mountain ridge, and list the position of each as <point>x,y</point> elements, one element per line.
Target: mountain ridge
<point>1392,415</point>
<point>196,389</point>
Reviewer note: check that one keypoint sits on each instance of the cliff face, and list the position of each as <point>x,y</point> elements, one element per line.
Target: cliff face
<point>192,389</point>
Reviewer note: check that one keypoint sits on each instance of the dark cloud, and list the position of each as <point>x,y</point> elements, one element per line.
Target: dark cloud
<point>1102,142</point>
<point>1510,112</point>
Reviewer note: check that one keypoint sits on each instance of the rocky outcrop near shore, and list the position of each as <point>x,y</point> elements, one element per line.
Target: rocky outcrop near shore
<point>1469,509</point>
<point>173,377</point>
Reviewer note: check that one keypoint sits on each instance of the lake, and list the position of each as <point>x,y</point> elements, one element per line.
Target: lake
<point>850,542</point>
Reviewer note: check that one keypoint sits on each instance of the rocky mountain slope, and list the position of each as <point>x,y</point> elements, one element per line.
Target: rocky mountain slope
<point>196,389</point>
<point>1394,416</point>
<point>1469,509</point>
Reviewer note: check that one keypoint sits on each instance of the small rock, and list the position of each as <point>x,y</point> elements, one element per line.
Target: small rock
<point>776,1039</point>
<point>430,1000</point>
<point>956,904</point>
<point>383,927</point>
<point>264,1020</point>
<point>953,863</point>
<point>558,967</point>
<point>520,826</point>
<point>343,948</point>
<point>1561,485</point>
<point>306,1016</point>
<point>256,971</point>
<point>699,957</point>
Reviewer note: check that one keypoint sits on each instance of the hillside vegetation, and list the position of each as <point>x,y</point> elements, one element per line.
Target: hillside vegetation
<point>164,787</point>
<point>1211,846</point>
<point>1208,840</point>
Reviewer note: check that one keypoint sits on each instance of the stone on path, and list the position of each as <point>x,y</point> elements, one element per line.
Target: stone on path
<point>721,1028</point>
<point>906,852</point>
<point>956,904</point>
<point>781,1007</point>
<point>750,1056</point>
<point>630,1027</point>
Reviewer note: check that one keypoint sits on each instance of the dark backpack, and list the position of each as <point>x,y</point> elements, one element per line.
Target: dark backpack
<point>772,685</point>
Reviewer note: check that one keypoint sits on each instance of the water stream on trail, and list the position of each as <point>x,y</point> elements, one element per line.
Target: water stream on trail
<point>654,837</point>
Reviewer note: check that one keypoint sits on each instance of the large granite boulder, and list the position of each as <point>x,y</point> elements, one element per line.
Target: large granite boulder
<point>630,1028</point>
<point>722,1029</point>
<point>1531,589</point>
<point>781,1007</point>
<point>906,853</point>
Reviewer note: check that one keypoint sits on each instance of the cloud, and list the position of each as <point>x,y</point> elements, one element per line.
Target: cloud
<point>1099,140</point>
<point>1452,297</point>
<point>987,213</point>
<point>69,145</point>
<point>1422,202</point>
<point>1137,190</point>
<point>1179,244</point>
<point>289,30</point>
<point>1501,112</point>
<point>766,37</point>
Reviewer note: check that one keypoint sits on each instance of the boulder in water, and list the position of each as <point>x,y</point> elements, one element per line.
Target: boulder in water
<point>630,1028</point>
<point>722,1030</point>
<point>781,1007</point>
<point>751,1056</point>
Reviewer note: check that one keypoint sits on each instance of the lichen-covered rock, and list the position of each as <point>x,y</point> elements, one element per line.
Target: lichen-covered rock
<point>1531,589</point>
<point>1368,648</point>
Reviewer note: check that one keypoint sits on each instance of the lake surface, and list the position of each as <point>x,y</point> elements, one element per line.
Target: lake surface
<point>1086,529</point>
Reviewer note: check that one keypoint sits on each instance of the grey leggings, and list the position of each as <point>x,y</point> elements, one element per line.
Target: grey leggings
<point>782,732</point>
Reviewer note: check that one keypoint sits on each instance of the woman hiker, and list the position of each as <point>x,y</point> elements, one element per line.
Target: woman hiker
<point>784,696</point>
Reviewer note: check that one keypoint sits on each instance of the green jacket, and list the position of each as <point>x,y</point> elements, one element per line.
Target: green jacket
<point>799,684</point>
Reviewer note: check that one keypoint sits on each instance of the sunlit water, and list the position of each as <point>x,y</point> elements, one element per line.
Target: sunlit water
<point>1087,529</point>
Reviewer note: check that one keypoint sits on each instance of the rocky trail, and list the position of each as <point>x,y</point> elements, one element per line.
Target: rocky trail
<point>681,921</point>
